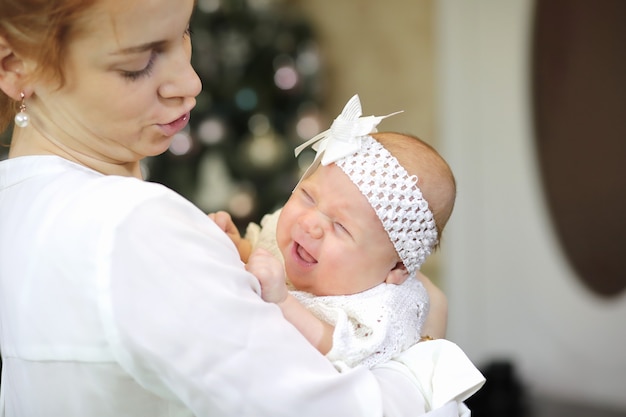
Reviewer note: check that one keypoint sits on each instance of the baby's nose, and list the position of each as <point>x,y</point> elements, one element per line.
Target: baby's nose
<point>311,223</point>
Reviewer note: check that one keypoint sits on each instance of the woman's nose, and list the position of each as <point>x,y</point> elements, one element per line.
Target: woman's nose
<point>183,82</point>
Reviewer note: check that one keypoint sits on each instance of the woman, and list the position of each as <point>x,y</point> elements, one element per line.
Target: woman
<point>118,296</point>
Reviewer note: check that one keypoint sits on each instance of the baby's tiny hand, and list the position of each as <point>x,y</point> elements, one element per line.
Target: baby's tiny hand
<point>270,273</point>
<point>225,222</point>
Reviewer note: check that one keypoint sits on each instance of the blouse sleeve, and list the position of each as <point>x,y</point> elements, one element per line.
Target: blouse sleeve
<point>185,319</point>
<point>444,374</point>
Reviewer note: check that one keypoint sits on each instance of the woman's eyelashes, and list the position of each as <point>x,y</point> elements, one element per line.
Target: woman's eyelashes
<point>144,72</point>
<point>147,70</point>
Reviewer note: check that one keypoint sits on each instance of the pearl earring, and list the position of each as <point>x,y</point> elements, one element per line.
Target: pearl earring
<point>22,118</point>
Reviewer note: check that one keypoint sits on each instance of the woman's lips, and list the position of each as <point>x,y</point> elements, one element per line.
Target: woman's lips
<point>170,129</point>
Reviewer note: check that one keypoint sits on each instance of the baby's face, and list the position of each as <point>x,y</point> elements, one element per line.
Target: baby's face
<point>330,237</point>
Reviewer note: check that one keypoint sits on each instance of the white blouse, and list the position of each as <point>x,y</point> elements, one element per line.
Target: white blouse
<point>118,297</point>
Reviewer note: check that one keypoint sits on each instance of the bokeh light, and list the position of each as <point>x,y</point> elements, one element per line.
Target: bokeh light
<point>182,143</point>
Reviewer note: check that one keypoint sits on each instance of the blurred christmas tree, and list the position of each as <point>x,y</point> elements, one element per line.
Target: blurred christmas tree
<point>260,69</point>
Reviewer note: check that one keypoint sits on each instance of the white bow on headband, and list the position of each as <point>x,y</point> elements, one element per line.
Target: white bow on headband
<point>344,136</point>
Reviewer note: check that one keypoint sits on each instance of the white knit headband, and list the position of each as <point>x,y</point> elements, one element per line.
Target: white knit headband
<point>388,187</point>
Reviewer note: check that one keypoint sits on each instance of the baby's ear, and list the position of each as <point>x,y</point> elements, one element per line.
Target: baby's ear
<point>397,275</point>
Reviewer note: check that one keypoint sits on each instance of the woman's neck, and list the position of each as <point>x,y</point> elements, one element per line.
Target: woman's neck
<point>28,142</point>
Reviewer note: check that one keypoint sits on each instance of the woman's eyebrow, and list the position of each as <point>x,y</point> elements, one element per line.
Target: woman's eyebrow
<point>139,48</point>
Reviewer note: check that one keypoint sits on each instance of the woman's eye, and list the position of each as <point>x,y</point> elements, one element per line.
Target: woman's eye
<point>144,72</point>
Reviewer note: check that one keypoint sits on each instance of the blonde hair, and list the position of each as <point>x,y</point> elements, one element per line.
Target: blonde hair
<point>39,30</point>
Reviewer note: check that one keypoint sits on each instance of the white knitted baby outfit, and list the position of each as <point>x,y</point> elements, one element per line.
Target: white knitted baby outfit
<point>371,326</point>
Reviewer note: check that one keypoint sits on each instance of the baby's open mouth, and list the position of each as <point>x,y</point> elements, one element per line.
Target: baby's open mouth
<point>304,255</point>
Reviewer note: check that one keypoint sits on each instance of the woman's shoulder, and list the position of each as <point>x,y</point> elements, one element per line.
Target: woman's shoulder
<point>59,180</point>
<point>123,197</point>
<point>128,190</point>
<point>87,195</point>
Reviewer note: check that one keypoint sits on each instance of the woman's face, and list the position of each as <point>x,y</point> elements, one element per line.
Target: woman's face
<point>129,83</point>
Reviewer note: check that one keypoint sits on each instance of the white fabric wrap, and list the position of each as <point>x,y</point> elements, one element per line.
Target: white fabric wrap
<point>371,326</point>
<point>444,374</point>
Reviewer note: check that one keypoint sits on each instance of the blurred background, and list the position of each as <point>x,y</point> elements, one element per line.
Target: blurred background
<point>527,102</point>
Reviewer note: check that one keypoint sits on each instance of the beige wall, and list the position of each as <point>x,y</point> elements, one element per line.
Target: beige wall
<point>384,52</point>
<point>512,293</point>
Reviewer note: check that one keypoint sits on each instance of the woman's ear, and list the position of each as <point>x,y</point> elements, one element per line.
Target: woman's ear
<point>12,71</point>
<point>397,275</point>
